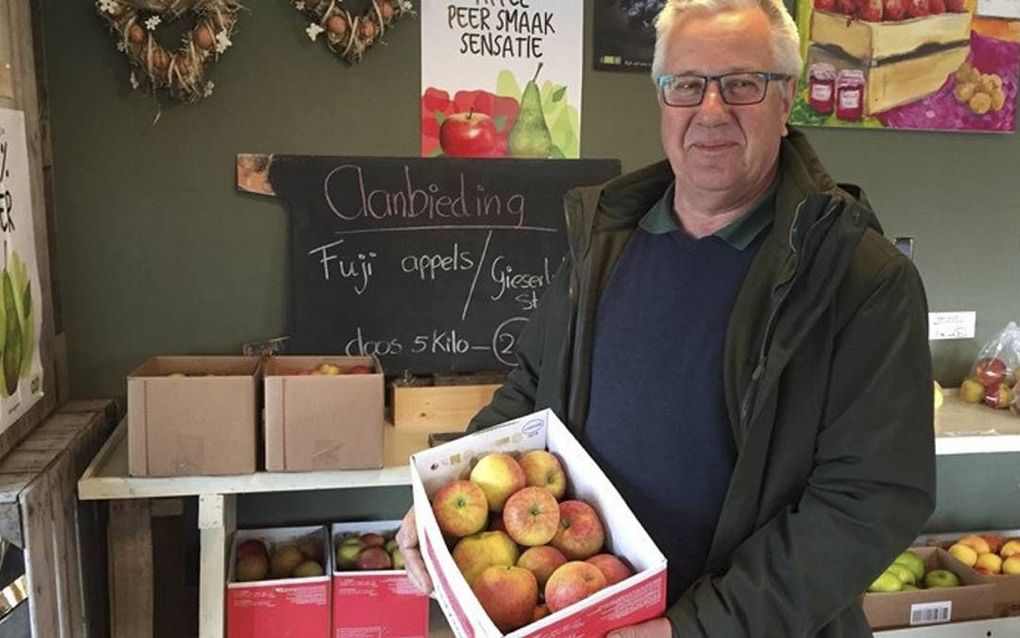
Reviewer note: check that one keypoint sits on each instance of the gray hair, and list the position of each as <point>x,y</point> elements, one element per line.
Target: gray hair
<point>785,37</point>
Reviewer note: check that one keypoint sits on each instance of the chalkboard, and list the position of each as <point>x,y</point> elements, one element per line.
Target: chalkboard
<point>433,265</point>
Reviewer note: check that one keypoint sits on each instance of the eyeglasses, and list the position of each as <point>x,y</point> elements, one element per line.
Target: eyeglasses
<point>735,88</point>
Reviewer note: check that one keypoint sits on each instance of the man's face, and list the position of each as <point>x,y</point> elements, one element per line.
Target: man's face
<point>722,154</point>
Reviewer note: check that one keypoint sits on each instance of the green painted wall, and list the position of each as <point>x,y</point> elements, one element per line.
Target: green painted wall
<point>159,254</point>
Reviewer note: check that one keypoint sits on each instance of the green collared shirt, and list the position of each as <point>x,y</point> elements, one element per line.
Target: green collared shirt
<point>739,233</point>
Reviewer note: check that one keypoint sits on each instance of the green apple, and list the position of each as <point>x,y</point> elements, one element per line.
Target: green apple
<point>903,573</point>
<point>347,553</point>
<point>885,583</point>
<point>909,588</point>
<point>941,578</point>
<point>913,562</point>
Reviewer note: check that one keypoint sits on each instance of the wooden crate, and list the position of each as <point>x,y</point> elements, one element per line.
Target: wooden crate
<point>441,408</point>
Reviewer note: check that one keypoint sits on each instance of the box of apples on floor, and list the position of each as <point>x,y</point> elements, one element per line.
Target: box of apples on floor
<point>372,595</point>
<point>523,535</point>
<point>278,585</point>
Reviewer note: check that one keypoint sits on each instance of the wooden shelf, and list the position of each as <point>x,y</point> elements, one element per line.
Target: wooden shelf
<point>964,428</point>
<point>107,476</point>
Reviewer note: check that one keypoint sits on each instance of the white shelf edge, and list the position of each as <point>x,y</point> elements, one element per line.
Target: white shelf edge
<point>990,628</point>
<point>978,444</point>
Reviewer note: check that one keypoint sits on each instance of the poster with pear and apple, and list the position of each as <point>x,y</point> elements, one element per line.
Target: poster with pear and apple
<point>501,78</point>
<point>20,317</point>
<point>943,65</point>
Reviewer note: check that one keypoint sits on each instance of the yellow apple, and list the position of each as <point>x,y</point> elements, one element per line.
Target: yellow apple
<point>972,391</point>
<point>461,508</point>
<point>989,561</point>
<point>1010,547</point>
<point>1011,565</point>
<point>499,475</point>
<point>977,543</point>
<point>913,562</point>
<point>485,549</point>
<point>938,396</point>
<point>543,469</point>
<point>964,553</point>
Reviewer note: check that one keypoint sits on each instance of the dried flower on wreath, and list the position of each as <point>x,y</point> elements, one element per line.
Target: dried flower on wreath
<point>347,35</point>
<point>182,71</point>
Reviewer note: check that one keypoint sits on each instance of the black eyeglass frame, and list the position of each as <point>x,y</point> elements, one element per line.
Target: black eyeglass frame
<point>768,76</point>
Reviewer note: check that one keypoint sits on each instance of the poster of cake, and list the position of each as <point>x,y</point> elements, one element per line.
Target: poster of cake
<point>513,88</point>
<point>941,65</point>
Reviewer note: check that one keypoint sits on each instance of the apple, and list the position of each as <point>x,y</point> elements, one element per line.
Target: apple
<point>468,135</point>
<point>846,7</point>
<point>531,516</point>
<point>372,539</point>
<point>612,567</point>
<point>308,569</point>
<point>541,561</point>
<point>998,396</point>
<point>391,545</point>
<point>284,560</point>
<point>941,578</point>
<point>310,548</point>
<point>825,5</point>
<point>917,8</point>
<point>580,534</point>
<point>251,567</point>
<point>885,583</point>
<point>870,10</point>
<point>989,561</point>
<point>937,6</point>
<point>964,553</point>
<point>250,547</point>
<point>971,391</point>
<point>373,559</point>
<point>540,612</point>
<point>894,9</point>
<point>398,558</point>
<point>1011,565</point>
<point>360,369</point>
<point>979,544</point>
<point>902,572</point>
<point>347,553</point>
<point>485,549</point>
<point>1010,547</point>
<point>461,508</point>
<point>913,562</point>
<point>990,371</point>
<point>572,582</point>
<point>994,542</point>
<point>543,469</point>
<point>499,475</point>
<point>984,571</point>
<point>957,6</point>
<point>508,595</point>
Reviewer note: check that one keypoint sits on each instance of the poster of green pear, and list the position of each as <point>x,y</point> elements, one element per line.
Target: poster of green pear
<point>20,302</point>
<point>515,88</point>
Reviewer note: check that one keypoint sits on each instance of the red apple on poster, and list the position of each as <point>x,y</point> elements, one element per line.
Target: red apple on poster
<point>957,6</point>
<point>846,7</point>
<point>870,10</point>
<point>936,7</point>
<point>894,9</point>
<point>468,135</point>
<point>917,8</point>
<point>825,5</point>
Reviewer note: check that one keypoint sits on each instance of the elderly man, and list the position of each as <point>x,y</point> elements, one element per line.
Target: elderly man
<point>738,347</point>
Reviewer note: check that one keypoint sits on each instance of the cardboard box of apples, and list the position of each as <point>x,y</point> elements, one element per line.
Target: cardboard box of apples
<point>995,555</point>
<point>371,593</point>
<point>524,535</point>
<point>278,584</point>
<point>927,585</point>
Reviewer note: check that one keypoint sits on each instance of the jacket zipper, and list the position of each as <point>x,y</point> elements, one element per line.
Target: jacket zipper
<point>759,369</point>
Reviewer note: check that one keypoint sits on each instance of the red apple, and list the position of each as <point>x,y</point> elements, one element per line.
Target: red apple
<point>612,567</point>
<point>846,7</point>
<point>870,10</point>
<point>461,508</point>
<point>994,542</point>
<point>508,595</point>
<point>251,547</point>
<point>540,612</point>
<point>990,371</point>
<point>531,516</point>
<point>936,7</point>
<point>541,561</point>
<point>473,554</point>
<point>957,6</point>
<point>917,8</point>
<point>543,469</point>
<point>468,135</point>
<point>998,396</point>
<point>581,534</point>
<point>825,5</point>
<point>499,475</point>
<point>572,582</point>
<point>359,370</point>
<point>894,9</point>
<point>373,559</point>
<point>372,540</point>
<point>251,567</point>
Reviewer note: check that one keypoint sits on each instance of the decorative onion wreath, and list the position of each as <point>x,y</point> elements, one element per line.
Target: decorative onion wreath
<point>182,71</point>
<point>350,36</point>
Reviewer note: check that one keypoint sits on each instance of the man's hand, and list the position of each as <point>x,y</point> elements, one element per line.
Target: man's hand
<point>658,628</point>
<point>407,538</point>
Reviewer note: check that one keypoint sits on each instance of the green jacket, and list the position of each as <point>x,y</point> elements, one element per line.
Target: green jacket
<point>828,384</point>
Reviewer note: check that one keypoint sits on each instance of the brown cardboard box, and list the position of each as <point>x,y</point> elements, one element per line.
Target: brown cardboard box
<point>323,422</point>
<point>974,599</point>
<point>1007,586</point>
<point>202,423</point>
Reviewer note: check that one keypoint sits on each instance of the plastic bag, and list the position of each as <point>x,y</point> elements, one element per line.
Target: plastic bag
<point>993,376</point>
